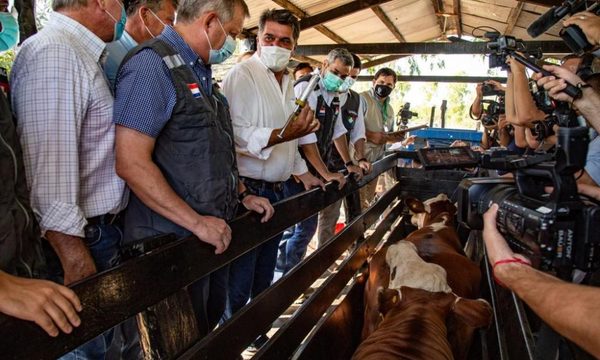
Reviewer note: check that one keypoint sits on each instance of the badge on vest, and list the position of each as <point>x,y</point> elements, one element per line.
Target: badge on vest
<point>195,90</point>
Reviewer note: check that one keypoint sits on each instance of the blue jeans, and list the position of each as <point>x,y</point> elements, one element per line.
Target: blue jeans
<point>296,244</point>
<point>252,273</point>
<point>104,242</point>
<point>209,297</point>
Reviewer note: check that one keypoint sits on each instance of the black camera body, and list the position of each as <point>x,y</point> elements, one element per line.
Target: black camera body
<point>492,111</point>
<point>554,230</point>
<point>404,115</point>
<point>489,90</point>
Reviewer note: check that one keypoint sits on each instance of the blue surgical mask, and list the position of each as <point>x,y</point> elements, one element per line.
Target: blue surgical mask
<point>332,82</point>
<point>119,24</point>
<point>9,36</point>
<point>228,48</point>
<point>347,84</point>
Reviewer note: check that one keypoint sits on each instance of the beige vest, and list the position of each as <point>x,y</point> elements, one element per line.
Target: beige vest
<point>374,122</point>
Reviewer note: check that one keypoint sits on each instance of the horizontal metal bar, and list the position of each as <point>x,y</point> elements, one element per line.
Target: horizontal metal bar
<point>131,287</point>
<point>439,78</point>
<point>408,48</point>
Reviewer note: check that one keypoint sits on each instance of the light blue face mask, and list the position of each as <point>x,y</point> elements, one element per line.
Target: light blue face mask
<point>332,82</point>
<point>228,48</point>
<point>119,24</point>
<point>9,36</point>
<point>347,84</point>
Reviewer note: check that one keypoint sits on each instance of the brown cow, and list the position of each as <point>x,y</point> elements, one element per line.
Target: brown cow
<point>414,324</point>
<point>438,243</point>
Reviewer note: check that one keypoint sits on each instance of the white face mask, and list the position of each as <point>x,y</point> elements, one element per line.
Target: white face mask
<point>274,57</point>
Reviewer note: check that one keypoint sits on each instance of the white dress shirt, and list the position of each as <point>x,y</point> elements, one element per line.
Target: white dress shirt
<point>339,129</point>
<point>64,107</point>
<point>258,105</point>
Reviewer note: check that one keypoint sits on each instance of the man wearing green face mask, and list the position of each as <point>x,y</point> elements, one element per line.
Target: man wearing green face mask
<point>64,109</point>
<point>327,102</point>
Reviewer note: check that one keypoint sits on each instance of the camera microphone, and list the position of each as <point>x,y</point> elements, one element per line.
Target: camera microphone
<point>547,20</point>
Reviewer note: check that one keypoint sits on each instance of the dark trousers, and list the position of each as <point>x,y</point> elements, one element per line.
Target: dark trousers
<point>252,273</point>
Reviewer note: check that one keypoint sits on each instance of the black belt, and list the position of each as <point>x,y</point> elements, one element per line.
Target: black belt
<point>274,186</point>
<point>105,219</point>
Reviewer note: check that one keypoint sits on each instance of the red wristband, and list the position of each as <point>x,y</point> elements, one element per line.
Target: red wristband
<point>507,261</point>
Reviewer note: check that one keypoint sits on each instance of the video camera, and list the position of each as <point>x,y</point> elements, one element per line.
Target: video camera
<point>492,111</point>
<point>554,230</point>
<point>571,35</point>
<point>404,115</point>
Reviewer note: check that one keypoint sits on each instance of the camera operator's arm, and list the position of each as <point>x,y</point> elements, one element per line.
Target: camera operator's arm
<point>588,23</point>
<point>476,109</point>
<point>587,105</point>
<point>511,114</point>
<point>503,133</point>
<point>569,309</point>
<point>525,107</point>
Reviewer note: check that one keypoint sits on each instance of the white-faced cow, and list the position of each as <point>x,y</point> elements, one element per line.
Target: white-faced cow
<point>437,244</point>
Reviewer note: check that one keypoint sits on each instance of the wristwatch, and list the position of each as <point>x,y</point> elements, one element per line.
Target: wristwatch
<point>243,194</point>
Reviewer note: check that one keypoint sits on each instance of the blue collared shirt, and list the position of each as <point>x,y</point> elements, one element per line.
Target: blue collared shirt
<point>144,92</point>
<point>116,53</point>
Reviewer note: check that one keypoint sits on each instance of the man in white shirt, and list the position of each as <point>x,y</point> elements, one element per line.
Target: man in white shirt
<point>261,98</point>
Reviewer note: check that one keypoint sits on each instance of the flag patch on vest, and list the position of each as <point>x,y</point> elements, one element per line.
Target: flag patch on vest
<point>195,90</point>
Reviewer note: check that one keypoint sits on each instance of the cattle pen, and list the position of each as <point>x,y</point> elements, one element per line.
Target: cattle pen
<point>150,285</point>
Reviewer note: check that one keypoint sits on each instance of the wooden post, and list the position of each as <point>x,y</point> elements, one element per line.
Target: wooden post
<point>431,119</point>
<point>443,113</point>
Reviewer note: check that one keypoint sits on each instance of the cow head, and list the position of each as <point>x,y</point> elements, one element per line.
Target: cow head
<point>432,211</point>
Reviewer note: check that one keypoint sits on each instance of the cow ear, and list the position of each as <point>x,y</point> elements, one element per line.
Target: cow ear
<point>415,205</point>
<point>387,299</point>
<point>476,313</point>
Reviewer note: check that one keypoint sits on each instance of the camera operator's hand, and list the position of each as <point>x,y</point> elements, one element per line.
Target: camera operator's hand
<point>588,23</point>
<point>496,85</point>
<point>515,66</point>
<point>556,84</point>
<point>589,190</point>
<point>497,248</point>
<point>479,90</point>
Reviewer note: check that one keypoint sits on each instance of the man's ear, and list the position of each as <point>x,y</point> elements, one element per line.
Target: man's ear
<point>414,205</point>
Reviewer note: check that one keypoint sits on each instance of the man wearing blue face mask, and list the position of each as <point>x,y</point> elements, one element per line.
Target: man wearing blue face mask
<point>64,109</point>
<point>327,102</point>
<point>175,144</point>
<point>146,19</point>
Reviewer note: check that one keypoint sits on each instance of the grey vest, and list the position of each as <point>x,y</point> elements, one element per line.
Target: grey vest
<point>194,151</point>
<point>327,115</point>
<point>20,245</point>
<point>349,115</point>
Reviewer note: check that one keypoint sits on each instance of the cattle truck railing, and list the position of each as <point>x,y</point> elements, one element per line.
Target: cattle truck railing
<point>151,286</point>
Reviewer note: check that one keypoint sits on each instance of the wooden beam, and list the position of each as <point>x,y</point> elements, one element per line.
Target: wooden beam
<point>301,58</point>
<point>547,47</point>
<point>438,8</point>
<point>513,17</point>
<point>388,23</point>
<point>330,34</point>
<point>339,12</point>
<point>301,15</point>
<point>548,3</point>
<point>458,18</point>
<point>382,60</point>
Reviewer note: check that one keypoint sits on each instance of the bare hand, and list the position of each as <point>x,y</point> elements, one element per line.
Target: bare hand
<point>588,23</point>
<point>356,170</point>
<point>589,190</point>
<point>556,84</point>
<point>479,90</point>
<point>515,66</point>
<point>496,85</point>
<point>310,181</point>
<point>214,231</point>
<point>50,305</point>
<point>334,176</point>
<point>304,124</point>
<point>497,248</point>
<point>395,137</point>
<point>260,205</point>
<point>365,166</point>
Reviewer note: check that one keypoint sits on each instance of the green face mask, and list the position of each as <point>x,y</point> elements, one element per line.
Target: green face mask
<point>332,82</point>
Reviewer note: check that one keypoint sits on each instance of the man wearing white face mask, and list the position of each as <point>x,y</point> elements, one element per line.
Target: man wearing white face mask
<point>261,96</point>
<point>146,19</point>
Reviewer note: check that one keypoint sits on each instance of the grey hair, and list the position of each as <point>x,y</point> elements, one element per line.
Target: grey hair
<point>190,10</point>
<point>340,53</point>
<point>68,4</point>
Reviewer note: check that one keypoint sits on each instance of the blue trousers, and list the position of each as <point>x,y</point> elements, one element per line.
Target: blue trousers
<point>297,242</point>
<point>252,273</point>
